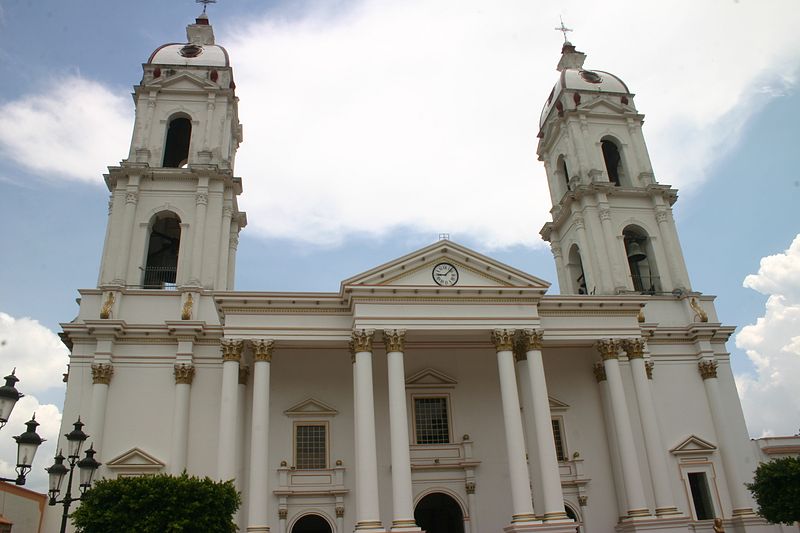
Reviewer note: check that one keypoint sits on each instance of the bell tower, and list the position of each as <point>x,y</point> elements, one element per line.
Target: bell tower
<point>173,219</point>
<point>612,230</point>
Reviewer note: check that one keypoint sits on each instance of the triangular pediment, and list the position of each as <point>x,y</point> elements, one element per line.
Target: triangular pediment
<point>311,407</point>
<point>135,459</point>
<point>183,81</point>
<point>693,445</point>
<point>603,105</point>
<point>473,270</point>
<point>557,405</point>
<point>430,378</point>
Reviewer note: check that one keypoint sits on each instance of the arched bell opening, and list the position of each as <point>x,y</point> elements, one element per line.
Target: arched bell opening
<point>612,156</point>
<point>163,245</point>
<point>641,260</point>
<point>176,147</point>
<point>438,512</point>
<point>561,166</point>
<point>577,277</point>
<point>312,523</point>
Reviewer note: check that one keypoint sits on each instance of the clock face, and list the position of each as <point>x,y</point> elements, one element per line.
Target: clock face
<point>445,274</point>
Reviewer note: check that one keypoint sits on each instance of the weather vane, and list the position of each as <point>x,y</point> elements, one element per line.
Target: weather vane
<point>206,2</point>
<point>563,29</point>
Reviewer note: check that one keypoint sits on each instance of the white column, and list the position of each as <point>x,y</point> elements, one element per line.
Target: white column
<point>608,415</point>
<point>123,252</point>
<point>233,244</point>
<point>402,495</point>
<point>201,206</point>
<point>618,274</point>
<point>241,412</point>
<point>101,379</point>
<point>552,496</point>
<point>531,445</point>
<point>634,490</point>
<point>228,409</point>
<point>184,375</point>
<point>588,259</point>
<point>521,501</point>
<point>224,242</point>
<point>725,436</point>
<point>367,501</point>
<point>258,495</point>
<point>656,453</point>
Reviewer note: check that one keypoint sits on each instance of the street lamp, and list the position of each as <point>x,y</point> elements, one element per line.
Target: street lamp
<point>8,397</point>
<point>86,467</point>
<point>29,441</point>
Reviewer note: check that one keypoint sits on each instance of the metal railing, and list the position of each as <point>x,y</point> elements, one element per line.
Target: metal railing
<point>162,278</point>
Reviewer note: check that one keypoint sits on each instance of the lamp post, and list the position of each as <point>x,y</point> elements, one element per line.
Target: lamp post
<point>29,441</point>
<point>86,466</point>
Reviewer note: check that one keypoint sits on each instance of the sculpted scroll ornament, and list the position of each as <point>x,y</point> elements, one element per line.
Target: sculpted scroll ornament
<point>708,369</point>
<point>361,341</point>
<point>605,214</point>
<point>394,339</point>
<point>531,339</point>
<point>579,222</point>
<point>186,311</point>
<point>283,514</point>
<point>699,312</point>
<point>184,374</point>
<point>661,216</point>
<point>231,349</point>
<point>634,348</point>
<point>608,348</point>
<point>599,372</point>
<point>108,305</point>
<point>201,199</point>
<point>583,500</point>
<point>339,511</point>
<point>131,198</point>
<point>101,373</point>
<point>470,487</point>
<point>262,349</point>
<point>556,249</point>
<point>503,339</point>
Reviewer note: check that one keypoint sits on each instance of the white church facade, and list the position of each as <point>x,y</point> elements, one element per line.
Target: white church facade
<point>443,391</point>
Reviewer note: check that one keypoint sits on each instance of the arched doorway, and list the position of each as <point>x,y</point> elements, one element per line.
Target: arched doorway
<point>439,513</point>
<point>312,523</point>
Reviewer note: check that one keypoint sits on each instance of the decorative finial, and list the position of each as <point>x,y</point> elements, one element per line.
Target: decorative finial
<point>563,29</point>
<point>206,2</point>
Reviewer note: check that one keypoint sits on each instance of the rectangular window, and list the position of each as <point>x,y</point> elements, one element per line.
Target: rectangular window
<point>311,446</point>
<point>701,496</point>
<point>431,420</point>
<point>559,440</point>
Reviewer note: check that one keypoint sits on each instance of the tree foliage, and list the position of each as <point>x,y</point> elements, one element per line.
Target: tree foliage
<point>158,504</point>
<point>776,488</point>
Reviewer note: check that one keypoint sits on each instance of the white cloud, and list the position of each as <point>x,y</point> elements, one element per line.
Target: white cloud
<point>37,353</point>
<point>423,114</point>
<point>769,398</point>
<point>49,418</point>
<point>74,129</point>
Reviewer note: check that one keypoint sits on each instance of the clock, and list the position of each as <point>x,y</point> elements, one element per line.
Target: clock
<point>445,274</point>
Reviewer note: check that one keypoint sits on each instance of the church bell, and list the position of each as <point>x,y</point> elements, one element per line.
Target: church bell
<point>635,252</point>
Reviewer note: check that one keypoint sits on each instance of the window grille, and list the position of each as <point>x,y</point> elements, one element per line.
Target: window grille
<point>311,450</point>
<point>432,424</point>
<point>559,440</point>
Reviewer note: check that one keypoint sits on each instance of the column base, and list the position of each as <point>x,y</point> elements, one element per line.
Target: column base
<point>744,512</point>
<point>373,526</point>
<point>257,529</point>
<point>667,511</point>
<point>668,524</point>
<point>567,526</point>
<point>408,525</point>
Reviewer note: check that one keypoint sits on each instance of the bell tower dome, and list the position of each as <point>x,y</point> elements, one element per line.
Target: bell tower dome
<point>612,230</point>
<point>173,215</point>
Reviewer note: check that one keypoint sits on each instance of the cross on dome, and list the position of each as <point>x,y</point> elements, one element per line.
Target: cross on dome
<point>206,2</point>
<point>563,29</point>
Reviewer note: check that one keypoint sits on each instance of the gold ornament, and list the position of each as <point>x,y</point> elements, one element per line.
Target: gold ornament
<point>699,312</point>
<point>102,372</point>
<point>503,339</point>
<point>361,341</point>
<point>184,374</point>
<point>231,349</point>
<point>262,349</point>
<point>608,348</point>
<point>186,312</point>
<point>394,339</point>
<point>105,311</point>
<point>708,369</point>
<point>634,348</point>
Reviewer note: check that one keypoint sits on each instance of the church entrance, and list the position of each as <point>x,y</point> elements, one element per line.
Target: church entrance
<point>439,513</point>
<point>312,523</point>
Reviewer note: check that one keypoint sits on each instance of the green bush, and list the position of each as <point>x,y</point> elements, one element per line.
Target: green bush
<point>158,504</point>
<point>776,488</point>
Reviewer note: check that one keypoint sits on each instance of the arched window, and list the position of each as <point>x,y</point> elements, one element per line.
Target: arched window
<point>562,167</point>
<point>312,523</point>
<point>641,262</point>
<point>176,149</point>
<point>613,160</point>
<point>575,269</point>
<point>164,241</point>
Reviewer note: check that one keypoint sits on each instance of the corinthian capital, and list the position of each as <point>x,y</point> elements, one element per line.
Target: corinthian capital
<point>395,340</point>
<point>503,339</point>
<point>184,374</point>
<point>634,348</point>
<point>102,372</point>
<point>608,348</point>
<point>262,349</point>
<point>231,349</point>
<point>531,339</point>
<point>708,369</point>
<point>361,340</point>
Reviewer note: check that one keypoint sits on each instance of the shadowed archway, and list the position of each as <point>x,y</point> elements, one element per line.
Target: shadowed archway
<point>439,513</point>
<point>312,523</point>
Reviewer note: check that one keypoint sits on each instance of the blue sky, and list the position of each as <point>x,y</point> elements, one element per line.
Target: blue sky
<point>360,104</point>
